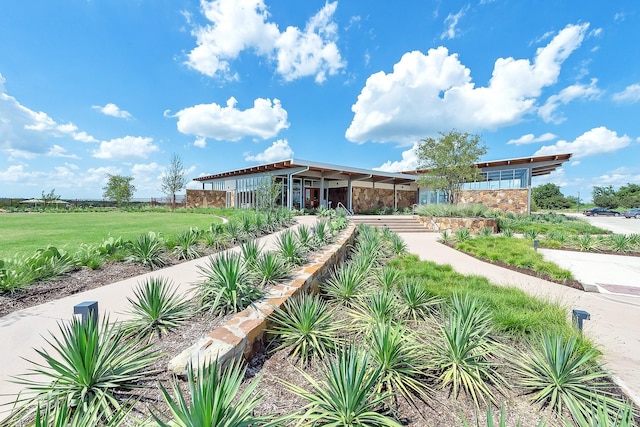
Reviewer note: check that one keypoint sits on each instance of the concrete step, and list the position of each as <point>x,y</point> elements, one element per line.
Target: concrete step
<point>396,223</point>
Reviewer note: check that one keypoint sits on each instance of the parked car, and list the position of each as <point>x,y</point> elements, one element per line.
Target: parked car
<point>601,211</point>
<point>632,213</point>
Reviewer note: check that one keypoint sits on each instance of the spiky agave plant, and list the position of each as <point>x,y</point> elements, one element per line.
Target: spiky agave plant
<point>346,396</point>
<point>147,250</point>
<point>86,365</point>
<point>415,301</point>
<point>250,251</point>
<point>156,309</point>
<point>227,285</point>
<point>463,356</point>
<point>186,244</point>
<point>346,284</point>
<point>560,373</point>
<point>371,310</point>
<point>401,360</point>
<point>387,277</point>
<point>214,399</point>
<point>62,415</point>
<point>270,268</point>
<point>289,247</point>
<point>305,325</point>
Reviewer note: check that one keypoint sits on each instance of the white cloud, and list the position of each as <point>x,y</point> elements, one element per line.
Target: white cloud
<point>428,93</point>
<point>279,150</point>
<point>200,142</point>
<point>630,94</point>
<point>126,147</point>
<point>409,162</point>
<point>264,120</point>
<point>239,25</point>
<point>598,140</point>
<point>617,177</point>
<point>23,130</point>
<point>112,110</point>
<point>575,163</point>
<point>58,151</point>
<point>532,139</point>
<point>452,22</point>
<point>548,111</point>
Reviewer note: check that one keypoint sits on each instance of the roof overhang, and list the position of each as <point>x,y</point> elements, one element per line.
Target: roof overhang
<point>539,165</point>
<point>314,170</point>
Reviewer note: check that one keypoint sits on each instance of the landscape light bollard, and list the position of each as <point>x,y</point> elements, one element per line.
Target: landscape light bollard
<point>579,316</point>
<point>536,243</point>
<point>86,310</point>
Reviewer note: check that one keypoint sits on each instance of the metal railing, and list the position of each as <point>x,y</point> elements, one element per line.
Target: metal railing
<point>341,206</point>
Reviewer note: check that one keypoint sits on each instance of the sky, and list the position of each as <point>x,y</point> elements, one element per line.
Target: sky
<point>90,88</point>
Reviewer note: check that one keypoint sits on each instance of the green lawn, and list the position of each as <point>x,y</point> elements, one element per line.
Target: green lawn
<point>23,233</point>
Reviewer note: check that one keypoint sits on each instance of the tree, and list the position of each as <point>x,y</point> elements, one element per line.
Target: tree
<point>450,161</point>
<point>267,193</point>
<point>174,179</point>
<point>605,197</point>
<point>629,195</point>
<point>119,189</point>
<point>548,196</point>
<point>50,198</point>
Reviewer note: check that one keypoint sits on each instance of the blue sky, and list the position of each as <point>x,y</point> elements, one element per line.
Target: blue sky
<point>93,87</point>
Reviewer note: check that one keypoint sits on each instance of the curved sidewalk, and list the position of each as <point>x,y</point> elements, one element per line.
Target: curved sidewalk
<point>613,324</point>
<point>23,331</point>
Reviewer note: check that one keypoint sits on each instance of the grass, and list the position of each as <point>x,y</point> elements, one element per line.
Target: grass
<point>515,252</point>
<point>511,310</point>
<point>23,234</point>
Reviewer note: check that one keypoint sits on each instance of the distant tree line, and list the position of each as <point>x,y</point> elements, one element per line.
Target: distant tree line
<point>549,196</point>
<point>627,196</point>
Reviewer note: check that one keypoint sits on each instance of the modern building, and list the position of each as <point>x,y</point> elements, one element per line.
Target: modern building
<point>504,184</point>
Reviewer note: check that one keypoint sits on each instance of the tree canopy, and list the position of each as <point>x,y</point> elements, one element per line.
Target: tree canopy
<point>174,179</point>
<point>548,196</point>
<point>627,196</point>
<point>450,161</point>
<point>119,189</point>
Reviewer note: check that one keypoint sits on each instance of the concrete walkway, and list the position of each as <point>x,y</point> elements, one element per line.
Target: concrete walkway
<point>23,331</point>
<point>613,317</point>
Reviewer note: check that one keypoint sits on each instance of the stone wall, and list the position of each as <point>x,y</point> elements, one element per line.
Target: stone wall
<point>366,199</point>
<point>244,334</point>
<point>440,224</point>
<point>513,200</point>
<point>206,199</point>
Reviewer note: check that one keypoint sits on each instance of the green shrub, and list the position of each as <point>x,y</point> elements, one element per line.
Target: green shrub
<point>147,250</point>
<point>186,244</point>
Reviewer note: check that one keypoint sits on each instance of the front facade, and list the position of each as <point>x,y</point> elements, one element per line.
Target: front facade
<point>504,184</point>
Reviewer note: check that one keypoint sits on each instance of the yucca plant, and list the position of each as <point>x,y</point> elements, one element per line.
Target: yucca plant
<point>445,236</point>
<point>227,285</point>
<point>559,373</point>
<point>462,235</point>
<point>462,356</point>
<point>619,243</point>
<point>401,361</point>
<point>507,232</point>
<point>346,284</point>
<point>415,301</point>
<point>52,414</point>
<point>604,416</point>
<point>186,244</point>
<point>147,250</point>
<point>216,238</point>
<point>88,256</point>
<point>501,423</point>
<point>305,237</point>
<point>530,234</point>
<point>381,307</point>
<point>270,268</point>
<point>485,232</point>
<point>398,245</point>
<point>305,325</point>
<point>322,234</point>
<point>290,249</point>
<point>156,309</point>
<point>86,365</point>
<point>586,243</point>
<point>248,226</point>
<point>387,277</point>
<point>346,396</point>
<point>251,251</point>
<point>234,231</point>
<point>214,399</point>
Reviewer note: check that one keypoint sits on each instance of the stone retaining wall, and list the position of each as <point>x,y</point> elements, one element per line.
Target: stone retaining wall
<point>366,199</point>
<point>206,199</point>
<point>440,224</point>
<point>244,333</point>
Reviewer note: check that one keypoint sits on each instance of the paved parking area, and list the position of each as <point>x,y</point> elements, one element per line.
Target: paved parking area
<point>620,224</point>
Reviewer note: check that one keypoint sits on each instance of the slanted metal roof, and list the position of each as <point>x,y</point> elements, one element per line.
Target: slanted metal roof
<point>315,170</point>
<point>540,165</point>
